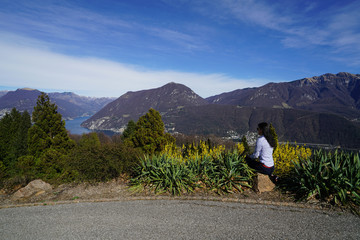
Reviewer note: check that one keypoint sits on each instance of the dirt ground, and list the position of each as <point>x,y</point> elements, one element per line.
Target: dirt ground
<point>118,190</point>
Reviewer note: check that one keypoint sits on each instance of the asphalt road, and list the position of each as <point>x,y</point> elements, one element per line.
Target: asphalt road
<point>174,219</point>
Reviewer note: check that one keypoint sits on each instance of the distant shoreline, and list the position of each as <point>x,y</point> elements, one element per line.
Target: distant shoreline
<point>74,127</point>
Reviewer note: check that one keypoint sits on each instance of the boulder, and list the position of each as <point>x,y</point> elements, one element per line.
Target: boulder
<point>264,183</point>
<point>36,187</point>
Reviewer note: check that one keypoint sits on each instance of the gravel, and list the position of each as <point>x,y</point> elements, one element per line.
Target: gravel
<point>175,219</point>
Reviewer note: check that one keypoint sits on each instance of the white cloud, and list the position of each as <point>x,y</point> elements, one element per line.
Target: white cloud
<point>258,12</point>
<point>23,65</point>
<point>336,26</point>
<point>70,25</point>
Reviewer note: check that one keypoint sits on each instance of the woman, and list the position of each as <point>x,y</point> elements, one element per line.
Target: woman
<point>263,151</point>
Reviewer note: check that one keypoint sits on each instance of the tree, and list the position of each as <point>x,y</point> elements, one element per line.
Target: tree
<point>48,141</point>
<point>14,128</point>
<point>22,134</point>
<point>2,170</point>
<point>149,134</point>
<point>130,129</point>
<point>48,130</point>
<point>7,127</point>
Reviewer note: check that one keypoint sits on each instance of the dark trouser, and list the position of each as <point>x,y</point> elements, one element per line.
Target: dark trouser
<point>259,167</point>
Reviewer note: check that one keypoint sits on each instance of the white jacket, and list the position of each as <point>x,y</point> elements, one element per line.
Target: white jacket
<point>264,152</point>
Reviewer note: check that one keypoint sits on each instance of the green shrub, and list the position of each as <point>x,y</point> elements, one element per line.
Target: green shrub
<point>162,174</point>
<point>91,161</point>
<point>122,158</point>
<point>223,174</point>
<point>227,173</point>
<point>333,177</point>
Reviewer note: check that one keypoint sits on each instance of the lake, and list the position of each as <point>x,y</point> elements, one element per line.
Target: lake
<point>74,126</point>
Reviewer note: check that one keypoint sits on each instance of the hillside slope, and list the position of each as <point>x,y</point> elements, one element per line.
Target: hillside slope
<point>132,105</point>
<point>291,125</point>
<point>330,93</point>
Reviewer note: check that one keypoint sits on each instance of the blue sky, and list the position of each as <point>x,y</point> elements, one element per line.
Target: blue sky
<point>106,48</point>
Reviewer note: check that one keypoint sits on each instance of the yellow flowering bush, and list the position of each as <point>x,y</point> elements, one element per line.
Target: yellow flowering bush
<point>193,151</point>
<point>172,151</point>
<point>240,148</point>
<point>285,155</point>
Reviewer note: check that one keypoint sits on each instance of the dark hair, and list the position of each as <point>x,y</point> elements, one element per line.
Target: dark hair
<point>265,128</point>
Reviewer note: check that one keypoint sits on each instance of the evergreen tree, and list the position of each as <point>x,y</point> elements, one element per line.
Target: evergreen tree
<point>14,128</point>
<point>21,143</point>
<point>5,133</point>
<point>149,134</point>
<point>48,142</point>
<point>48,130</point>
<point>2,171</point>
<point>130,129</point>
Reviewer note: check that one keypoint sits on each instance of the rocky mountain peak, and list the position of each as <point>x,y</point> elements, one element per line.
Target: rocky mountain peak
<point>345,74</point>
<point>341,77</point>
<point>307,81</point>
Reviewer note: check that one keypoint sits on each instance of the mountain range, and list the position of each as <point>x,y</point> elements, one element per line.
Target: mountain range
<point>70,105</point>
<point>323,109</point>
<point>339,94</point>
